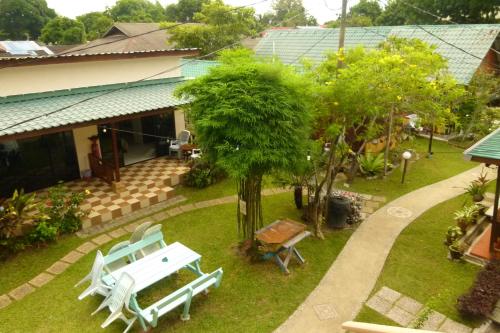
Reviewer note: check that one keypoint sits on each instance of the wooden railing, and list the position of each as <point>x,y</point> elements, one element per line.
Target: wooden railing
<point>101,169</point>
<point>357,327</point>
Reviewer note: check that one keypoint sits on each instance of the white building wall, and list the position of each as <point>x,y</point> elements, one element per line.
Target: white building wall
<point>41,78</point>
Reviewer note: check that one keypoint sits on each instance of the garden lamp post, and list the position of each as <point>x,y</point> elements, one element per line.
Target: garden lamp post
<point>406,156</point>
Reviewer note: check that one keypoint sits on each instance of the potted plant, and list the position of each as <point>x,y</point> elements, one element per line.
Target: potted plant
<point>466,216</point>
<point>453,233</point>
<point>456,250</point>
<point>477,187</point>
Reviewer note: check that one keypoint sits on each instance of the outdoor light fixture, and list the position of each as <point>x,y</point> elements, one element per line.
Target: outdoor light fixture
<point>104,130</point>
<point>406,156</point>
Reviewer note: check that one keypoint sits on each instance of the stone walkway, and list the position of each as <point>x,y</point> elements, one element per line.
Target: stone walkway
<point>370,203</point>
<point>406,311</point>
<point>349,281</point>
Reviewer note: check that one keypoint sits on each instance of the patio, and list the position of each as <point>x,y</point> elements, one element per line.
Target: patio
<point>143,184</point>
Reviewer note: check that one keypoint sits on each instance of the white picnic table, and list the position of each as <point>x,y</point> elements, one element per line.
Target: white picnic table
<point>155,267</point>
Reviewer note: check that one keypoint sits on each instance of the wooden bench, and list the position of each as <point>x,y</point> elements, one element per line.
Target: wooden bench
<point>181,296</point>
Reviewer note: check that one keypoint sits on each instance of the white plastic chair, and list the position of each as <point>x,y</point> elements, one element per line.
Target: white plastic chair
<point>139,232</point>
<point>153,247</point>
<point>95,275</point>
<point>175,145</point>
<point>113,266</point>
<point>117,300</point>
<point>196,153</point>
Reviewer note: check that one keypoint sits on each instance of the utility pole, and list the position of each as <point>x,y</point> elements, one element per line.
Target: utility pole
<point>343,22</point>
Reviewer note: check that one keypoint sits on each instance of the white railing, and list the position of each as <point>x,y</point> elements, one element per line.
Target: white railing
<point>357,327</point>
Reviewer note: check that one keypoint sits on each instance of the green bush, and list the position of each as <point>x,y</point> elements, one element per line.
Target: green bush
<point>63,209</point>
<point>202,174</point>
<point>371,165</point>
<point>43,233</point>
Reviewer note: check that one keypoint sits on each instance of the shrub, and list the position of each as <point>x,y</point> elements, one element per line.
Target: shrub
<point>202,174</point>
<point>466,216</point>
<point>485,293</point>
<point>43,233</point>
<point>371,165</point>
<point>452,234</point>
<point>63,209</point>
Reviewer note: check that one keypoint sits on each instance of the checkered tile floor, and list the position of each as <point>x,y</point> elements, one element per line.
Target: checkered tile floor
<point>144,184</point>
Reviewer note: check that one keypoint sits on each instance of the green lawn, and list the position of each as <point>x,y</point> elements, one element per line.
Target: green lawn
<point>252,297</point>
<point>446,162</point>
<point>417,265</point>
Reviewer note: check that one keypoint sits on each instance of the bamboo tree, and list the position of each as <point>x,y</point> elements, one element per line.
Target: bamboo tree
<point>251,118</point>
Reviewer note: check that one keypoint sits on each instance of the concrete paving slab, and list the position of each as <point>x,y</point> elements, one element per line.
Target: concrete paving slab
<point>86,247</point>
<point>117,233</point>
<point>41,279</point>
<point>20,292</point>
<point>102,239</point>
<point>72,257</point>
<point>379,304</point>
<point>409,305</point>
<point>388,294</point>
<point>434,320</point>
<point>400,316</point>
<point>451,326</point>
<point>57,268</point>
<point>4,301</point>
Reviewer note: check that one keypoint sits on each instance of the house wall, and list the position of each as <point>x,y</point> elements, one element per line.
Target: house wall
<point>83,145</point>
<point>180,123</point>
<point>41,78</point>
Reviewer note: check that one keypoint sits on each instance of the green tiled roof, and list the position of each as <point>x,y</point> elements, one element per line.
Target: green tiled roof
<point>136,98</point>
<point>194,68</point>
<point>488,147</point>
<point>293,44</point>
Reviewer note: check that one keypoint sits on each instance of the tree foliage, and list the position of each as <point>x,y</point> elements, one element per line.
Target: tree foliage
<point>363,14</point>
<point>63,30</point>
<point>398,12</point>
<point>24,19</point>
<point>251,118</point>
<point>184,10</point>
<point>222,25</point>
<point>136,11</point>
<point>288,13</point>
<point>96,24</point>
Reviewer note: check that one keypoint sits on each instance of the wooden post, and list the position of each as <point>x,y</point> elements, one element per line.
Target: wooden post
<point>495,223</point>
<point>116,157</point>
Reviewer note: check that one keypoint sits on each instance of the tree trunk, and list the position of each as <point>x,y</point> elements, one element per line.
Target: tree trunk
<point>249,217</point>
<point>388,143</point>
<point>431,137</point>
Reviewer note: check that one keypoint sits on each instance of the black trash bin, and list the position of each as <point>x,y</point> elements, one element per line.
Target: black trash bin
<point>339,209</point>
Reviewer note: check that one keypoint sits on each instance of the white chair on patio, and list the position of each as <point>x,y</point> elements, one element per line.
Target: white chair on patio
<point>113,266</point>
<point>95,275</point>
<point>117,300</point>
<point>175,145</point>
<point>195,153</point>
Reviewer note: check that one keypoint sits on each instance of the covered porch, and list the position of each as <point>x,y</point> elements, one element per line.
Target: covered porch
<point>487,150</point>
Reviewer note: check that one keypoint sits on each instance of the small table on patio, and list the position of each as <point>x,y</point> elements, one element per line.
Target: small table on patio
<point>155,267</point>
<point>281,237</point>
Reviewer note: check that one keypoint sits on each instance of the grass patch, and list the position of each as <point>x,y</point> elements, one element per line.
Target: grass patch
<point>446,162</point>
<point>252,297</point>
<point>417,265</point>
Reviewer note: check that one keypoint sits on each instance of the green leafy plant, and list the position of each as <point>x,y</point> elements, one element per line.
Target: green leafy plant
<point>466,216</point>
<point>202,174</point>
<point>477,188</point>
<point>371,165</point>
<point>63,208</point>
<point>453,233</point>
<point>43,233</point>
<point>456,250</point>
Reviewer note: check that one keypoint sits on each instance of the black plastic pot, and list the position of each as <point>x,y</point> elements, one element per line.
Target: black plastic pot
<point>454,254</point>
<point>339,209</point>
<point>297,196</point>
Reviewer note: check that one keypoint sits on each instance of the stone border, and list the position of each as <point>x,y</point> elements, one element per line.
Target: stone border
<point>406,311</point>
<point>160,214</point>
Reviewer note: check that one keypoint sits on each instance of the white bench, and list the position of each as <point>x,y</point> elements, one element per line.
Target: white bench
<point>181,296</point>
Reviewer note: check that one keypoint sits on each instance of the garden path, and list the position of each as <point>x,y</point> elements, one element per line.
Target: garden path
<point>348,283</point>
